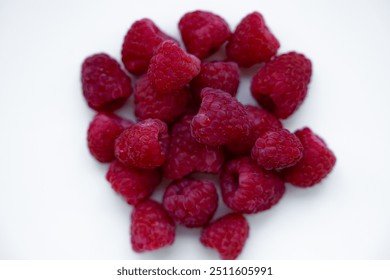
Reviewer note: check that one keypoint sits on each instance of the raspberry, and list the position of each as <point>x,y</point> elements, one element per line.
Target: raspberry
<point>191,202</point>
<point>105,85</point>
<point>203,32</point>
<point>281,85</point>
<point>277,149</point>
<point>186,155</point>
<point>221,119</point>
<point>140,41</point>
<point>252,42</point>
<point>143,145</point>
<point>102,132</point>
<point>171,68</point>
<point>148,104</point>
<point>227,235</point>
<point>248,188</point>
<point>317,161</point>
<point>151,227</point>
<point>134,184</point>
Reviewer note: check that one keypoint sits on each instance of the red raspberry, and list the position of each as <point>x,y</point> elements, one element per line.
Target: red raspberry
<point>317,161</point>
<point>191,202</point>
<point>280,86</point>
<point>105,85</point>
<point>186,155</point>
<point>221,119</point>
<point>102,132</point>
<point>134,184</point>
<point>203,32</point>
<point>252,42</point>
<point>171,68</point>
<point>227,235</point>
<point>143,145</point>
<point>151,227</point>
<point>248,188</point>
<point>140,41</point>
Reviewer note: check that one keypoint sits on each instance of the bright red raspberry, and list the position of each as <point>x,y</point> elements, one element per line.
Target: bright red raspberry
<point>203,33</point>
<point>191,202</point>
<point>221,119</point>
<point>252,42</point>
<point>151,227</point>
<point>171,68</point>
<point>280,86</point>
<point>133,184</point>
<point>227,235</point>
<point>248,188</point>
<point>317,161</point>
<point>143,145</point>
<point>106,86</point>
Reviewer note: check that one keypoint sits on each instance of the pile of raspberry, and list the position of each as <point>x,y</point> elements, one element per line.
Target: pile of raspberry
<point>189,121</point>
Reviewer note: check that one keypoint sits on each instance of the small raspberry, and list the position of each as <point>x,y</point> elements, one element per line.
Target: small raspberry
<point>203,32</point>
<point>105,85</point>
<point>280,86</point>
<point>252,42</point>
<point>248,188</point>
<point>317,161</point>
<point>227,235</point>
<point>151,227</point>
<point>134,184</point>
<point>191,202</point>
<point>143,145</point>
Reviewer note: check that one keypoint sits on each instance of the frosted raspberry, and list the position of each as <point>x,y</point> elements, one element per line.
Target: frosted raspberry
<point>227,235</point>
<point>281,85</point>
<point>252,42</point>
<point>105,85</point>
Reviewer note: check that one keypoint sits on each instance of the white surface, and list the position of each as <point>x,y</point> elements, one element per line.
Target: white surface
<point>54,200</point>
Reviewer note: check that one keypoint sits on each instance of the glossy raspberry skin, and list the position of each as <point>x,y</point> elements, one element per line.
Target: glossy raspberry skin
<point>227,235</point>
<point>203,32</point>
<point>133,184</point>
<point>317,161</point>
<point>248,188</point>
<point>171,68</point>
<point>151,227</point>
<point>105,85</point>
<point>143,145</point>
<point>252,42</point>
<point>281,85</point>
<point>191,202</point>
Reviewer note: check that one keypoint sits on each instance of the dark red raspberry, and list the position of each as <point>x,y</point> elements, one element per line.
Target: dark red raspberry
<point>227,235</point>
<point>140,41</point>
<point>248,188</point>
<point>317,161</point>
<point>105,85</point>
<point>203,32</point>
<point>151,227</point>
<point>280,86</point>
<point>171,68</point>
<point>186,155</point>
<point>134,184</point>
<point>252,42</point>
<point>191,202</point>
<point>221,119</point>
<point>102,132</point>
<point>143,145</point>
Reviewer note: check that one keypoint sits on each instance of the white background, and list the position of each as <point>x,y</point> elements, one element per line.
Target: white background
<point>54,200</point>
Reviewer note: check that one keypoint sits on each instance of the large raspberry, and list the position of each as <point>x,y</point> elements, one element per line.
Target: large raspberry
<point>151,227</point>
<point>252,42</point>
<point>317,161</point>
<point>248,188</point>
<point>281,85</point>
<point>105,85</point>
<point>227,235</point>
